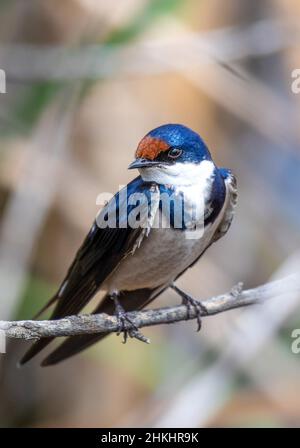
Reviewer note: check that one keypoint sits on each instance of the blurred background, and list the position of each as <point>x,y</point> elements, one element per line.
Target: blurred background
<point>85,81</point>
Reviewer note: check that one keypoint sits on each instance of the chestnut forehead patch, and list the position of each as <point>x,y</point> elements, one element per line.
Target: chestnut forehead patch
<point>150,147</point>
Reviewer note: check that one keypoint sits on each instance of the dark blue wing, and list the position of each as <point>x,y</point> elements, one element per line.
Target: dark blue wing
<point>100,253</point>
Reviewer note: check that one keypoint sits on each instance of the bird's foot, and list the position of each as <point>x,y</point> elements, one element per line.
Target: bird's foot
<point>190,303</point>
<point>125,325</point>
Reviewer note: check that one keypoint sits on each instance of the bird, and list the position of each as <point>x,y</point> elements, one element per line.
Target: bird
<point>146,236</point>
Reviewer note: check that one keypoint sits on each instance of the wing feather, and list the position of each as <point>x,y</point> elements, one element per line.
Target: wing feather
<point>101,252</point>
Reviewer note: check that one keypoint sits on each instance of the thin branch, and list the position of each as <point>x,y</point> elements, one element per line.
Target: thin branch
<point>103,323</point>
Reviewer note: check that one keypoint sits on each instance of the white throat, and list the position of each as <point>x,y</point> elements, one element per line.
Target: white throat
<point>180,174</point>
<point>194,181</point>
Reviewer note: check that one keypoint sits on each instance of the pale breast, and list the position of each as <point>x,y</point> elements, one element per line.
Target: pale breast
<point>162,256</point>
<point>165,253</point>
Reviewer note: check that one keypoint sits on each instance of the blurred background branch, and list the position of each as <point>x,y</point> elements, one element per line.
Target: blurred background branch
<point>29,62</point>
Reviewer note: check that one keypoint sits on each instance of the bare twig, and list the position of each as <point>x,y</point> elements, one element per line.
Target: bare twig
<point>103,323</point>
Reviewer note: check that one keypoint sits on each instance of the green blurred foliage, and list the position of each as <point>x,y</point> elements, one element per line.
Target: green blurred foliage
<point>5,3</point>
<point>34,101</point>
<point>153,10</point>
<point>36,294</point>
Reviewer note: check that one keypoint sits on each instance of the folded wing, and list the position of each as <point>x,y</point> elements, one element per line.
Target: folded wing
<point>101,252</point>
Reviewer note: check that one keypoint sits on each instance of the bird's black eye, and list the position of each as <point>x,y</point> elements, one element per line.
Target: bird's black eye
<point>174,153</point>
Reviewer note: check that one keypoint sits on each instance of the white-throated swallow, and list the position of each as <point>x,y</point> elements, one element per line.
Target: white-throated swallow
<point>140,243</point>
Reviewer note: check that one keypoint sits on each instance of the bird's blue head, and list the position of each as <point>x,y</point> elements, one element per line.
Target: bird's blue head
<point>171,152</point>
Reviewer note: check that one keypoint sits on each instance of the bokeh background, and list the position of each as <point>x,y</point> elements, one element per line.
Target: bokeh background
<point>86,80</point>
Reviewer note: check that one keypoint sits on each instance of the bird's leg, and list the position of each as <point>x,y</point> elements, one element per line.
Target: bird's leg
<point>125,324</point>
<point>190,302</point>
<point>122,319</point>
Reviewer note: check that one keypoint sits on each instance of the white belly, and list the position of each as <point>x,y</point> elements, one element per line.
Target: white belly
<point>162,256</point>
<point>165,253</point>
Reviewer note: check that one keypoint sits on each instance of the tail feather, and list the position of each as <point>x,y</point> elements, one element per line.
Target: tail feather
<point>35,349</point>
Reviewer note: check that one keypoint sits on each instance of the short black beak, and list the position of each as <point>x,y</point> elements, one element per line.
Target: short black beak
<point>143,163</point>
